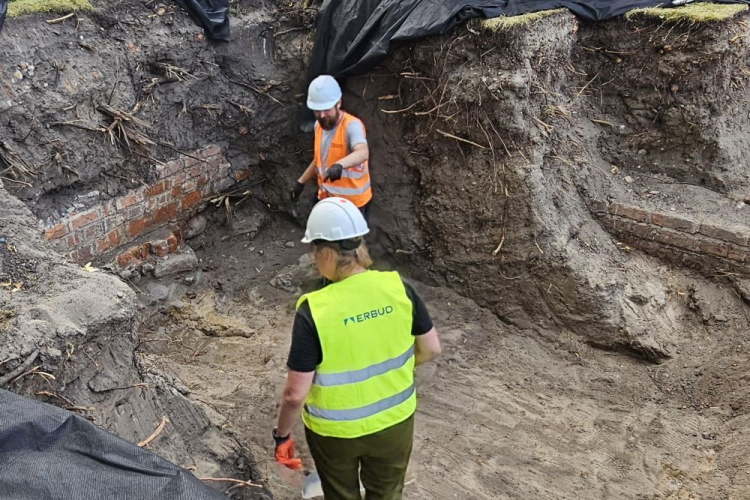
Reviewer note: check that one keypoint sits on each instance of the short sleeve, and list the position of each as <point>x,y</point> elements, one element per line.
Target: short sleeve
<point>305,353</point>
<point>355,134</point>
<point>422,322</point>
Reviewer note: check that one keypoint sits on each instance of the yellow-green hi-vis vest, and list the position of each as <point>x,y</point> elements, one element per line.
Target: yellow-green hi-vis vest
<point>366,381</point>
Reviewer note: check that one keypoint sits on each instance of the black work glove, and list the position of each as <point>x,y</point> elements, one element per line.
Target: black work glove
<point>334,173</point>
<point>296,191</point>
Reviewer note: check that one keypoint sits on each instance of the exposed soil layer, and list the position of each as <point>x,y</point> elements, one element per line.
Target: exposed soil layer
<point>492,154</point>
<point>185,91</point>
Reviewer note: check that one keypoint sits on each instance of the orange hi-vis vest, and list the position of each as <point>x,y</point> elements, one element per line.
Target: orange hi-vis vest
<point>354,184</point>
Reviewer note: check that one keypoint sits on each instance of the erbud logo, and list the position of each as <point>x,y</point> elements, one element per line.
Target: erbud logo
<point>375,313</point>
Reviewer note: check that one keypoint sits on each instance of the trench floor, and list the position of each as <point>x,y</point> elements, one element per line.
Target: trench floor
<point>504,413</point>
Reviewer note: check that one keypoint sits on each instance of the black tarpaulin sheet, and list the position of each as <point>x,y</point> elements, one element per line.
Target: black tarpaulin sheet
<point>212,15</point>
<point>353,36</point>
<point>47,453</point>
<point>3,11</point>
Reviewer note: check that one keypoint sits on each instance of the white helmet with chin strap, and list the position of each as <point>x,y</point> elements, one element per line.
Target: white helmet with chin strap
<point>335,219</point>
<point>323,94</point>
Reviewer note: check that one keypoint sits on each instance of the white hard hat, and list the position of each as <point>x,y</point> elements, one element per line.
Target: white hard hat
<point>323,94</point>
<point>335,219</point>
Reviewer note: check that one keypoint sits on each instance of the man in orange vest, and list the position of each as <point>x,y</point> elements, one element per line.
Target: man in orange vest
<point>341,153</point>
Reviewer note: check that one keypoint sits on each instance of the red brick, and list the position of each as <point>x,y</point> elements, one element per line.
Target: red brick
<point>176,191</point>
<point>133,212</point>
<point>113,222</point>
<point>157,201</point>
<point>210,151</point>
<point>738,254</point>
<point>674,223</point>
<point>109,208</point>
<point>160,248</point>
<point>142,251</point>
<point>736,235</point>
<point>172,243</point>
<point>85,254</point>
<point>56,232</point>
<point>125,258</point>
<point>675,238</point>
<point>179,178</point>
<point>633,213</point>
<point>196,171</point>
<point>645,231</point>
<point>177,233</point>
<point>137,226</point>
<point>114,238</point>
<point>159,188</point>
<point>93,231</point>
<point>191,162</point>
<point>243,174</point>
<point>611,223</point>
<point>128,201</point>
<point>191,200</point>
<point>202,180</point>
<point>84,219</point>
<point>164,214</point>
<point>712,247</point>
<point>171,168</point>
<point>73,240</point>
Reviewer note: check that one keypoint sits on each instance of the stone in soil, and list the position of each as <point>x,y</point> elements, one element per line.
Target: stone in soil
<point>195,226</point>
<point>156,293</point>
<point>176,263</point>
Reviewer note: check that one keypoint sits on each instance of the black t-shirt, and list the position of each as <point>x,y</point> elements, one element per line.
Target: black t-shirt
<point>306,353</point>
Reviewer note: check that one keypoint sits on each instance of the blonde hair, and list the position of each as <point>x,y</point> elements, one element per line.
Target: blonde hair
<point>346,259</point>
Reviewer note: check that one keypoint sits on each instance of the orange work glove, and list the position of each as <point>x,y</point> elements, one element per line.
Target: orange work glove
<point>285,452</point>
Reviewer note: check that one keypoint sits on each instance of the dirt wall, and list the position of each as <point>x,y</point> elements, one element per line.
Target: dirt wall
<point>493,148</point>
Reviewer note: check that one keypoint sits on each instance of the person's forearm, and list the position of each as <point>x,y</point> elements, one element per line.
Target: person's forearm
<point>288,414</point>
<point>421,358</point>
<point>355,158</point>
<point>309,174</point>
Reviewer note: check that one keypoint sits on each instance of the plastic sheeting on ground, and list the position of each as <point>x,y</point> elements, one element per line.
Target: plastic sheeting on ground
<point>47,453</point>
<point>353,36</point>
<point>212,15</point>
<point>3,11</point>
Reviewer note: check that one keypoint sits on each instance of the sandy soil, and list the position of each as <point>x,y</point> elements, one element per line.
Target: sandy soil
<point>505,412</point>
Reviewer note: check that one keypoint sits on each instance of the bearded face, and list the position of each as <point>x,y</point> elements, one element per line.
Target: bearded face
<point>329,118</point>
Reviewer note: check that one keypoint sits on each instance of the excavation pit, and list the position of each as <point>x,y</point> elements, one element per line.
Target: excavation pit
<point>570,199</point>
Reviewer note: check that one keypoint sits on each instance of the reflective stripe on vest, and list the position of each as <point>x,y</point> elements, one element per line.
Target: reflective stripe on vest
<point>355,376</point>
<point>363,412</point>
<point>342,191</point>
<point>350,173</point>
<point>365,382</point>
<point>354,184</point>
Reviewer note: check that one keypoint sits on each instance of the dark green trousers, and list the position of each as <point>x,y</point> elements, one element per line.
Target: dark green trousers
<point>379,460</point>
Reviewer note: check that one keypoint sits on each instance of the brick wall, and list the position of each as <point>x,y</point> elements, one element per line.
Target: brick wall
<point>180,186</point>
<point>707,246</point>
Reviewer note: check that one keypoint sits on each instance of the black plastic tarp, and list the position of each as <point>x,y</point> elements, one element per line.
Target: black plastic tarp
<point>212,15</point>
<point>3,11</point>
<point>353,36</point>
<point>47,453</point>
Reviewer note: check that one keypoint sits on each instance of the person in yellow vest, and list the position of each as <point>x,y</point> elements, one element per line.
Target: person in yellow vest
<point>355,344</point>
<point>340,163</point>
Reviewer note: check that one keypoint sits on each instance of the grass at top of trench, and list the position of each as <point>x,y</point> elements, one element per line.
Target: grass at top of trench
<point>507,22</point>
<point>693,13</point>
<point>20,7</point>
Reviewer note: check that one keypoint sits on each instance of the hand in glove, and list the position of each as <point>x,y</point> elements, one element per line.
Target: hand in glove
<point>334,172</point>
<point>296,191</point>
<point>285,452</point>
